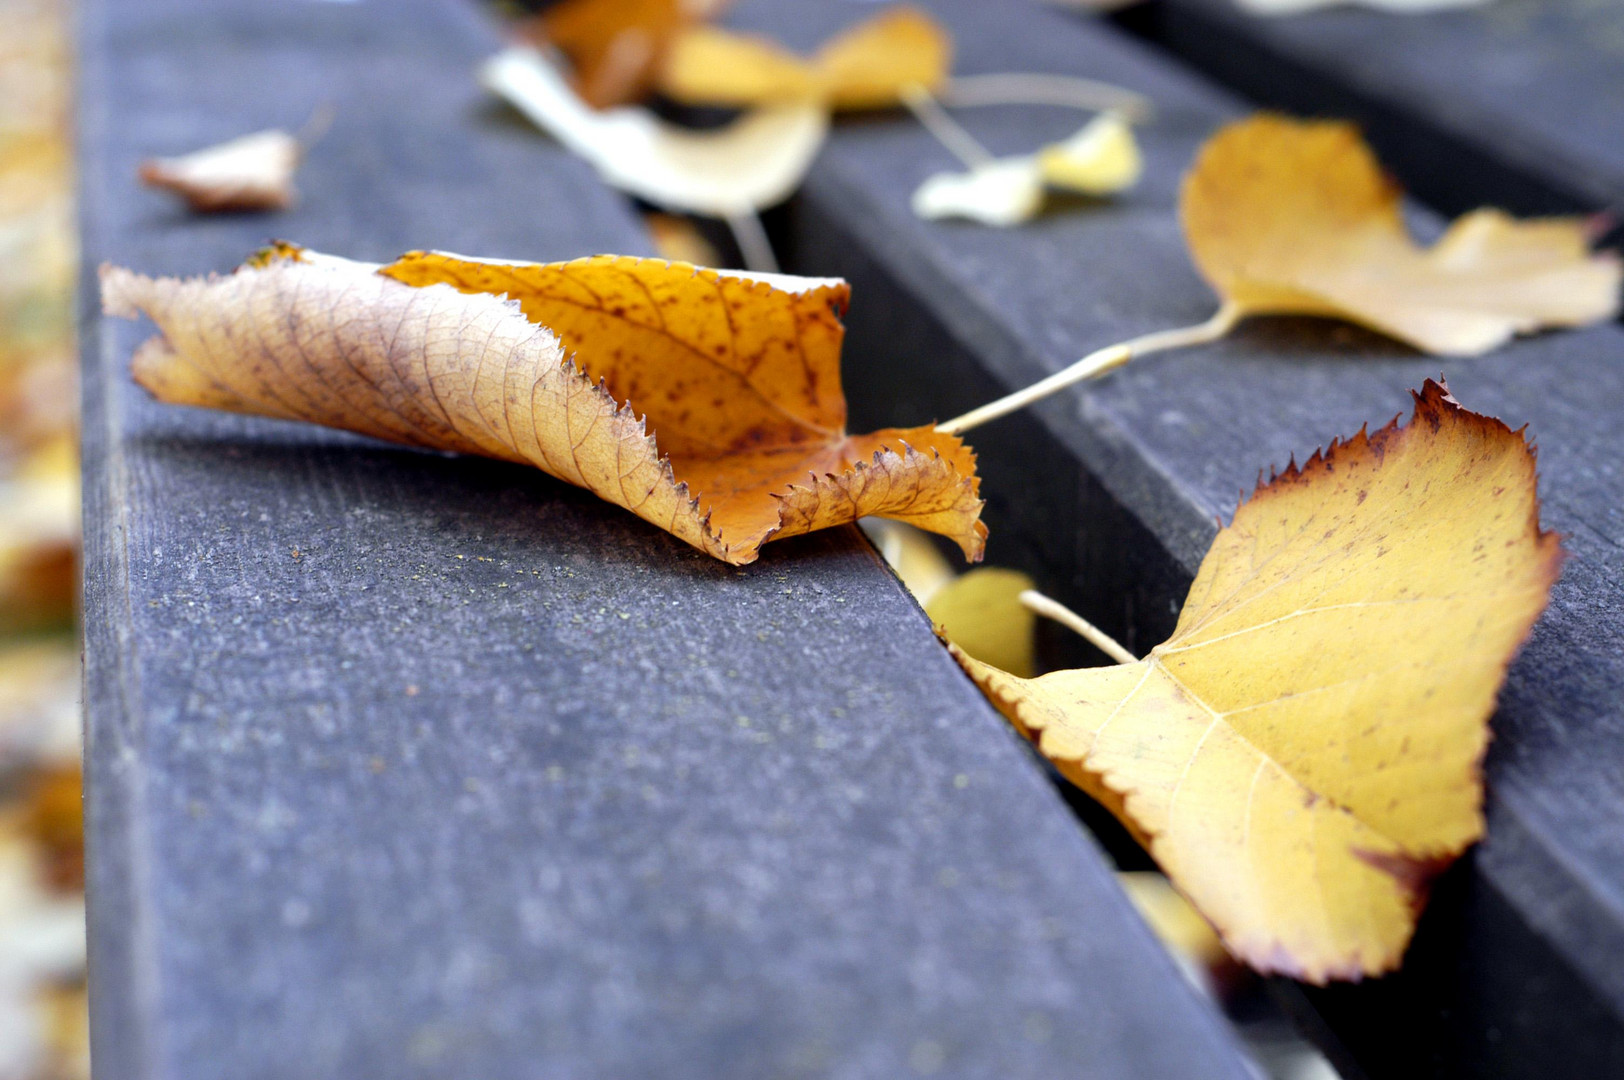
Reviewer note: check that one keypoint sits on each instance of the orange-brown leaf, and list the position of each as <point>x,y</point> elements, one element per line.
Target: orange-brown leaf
<point>617,46</point>
<point>738,378</point>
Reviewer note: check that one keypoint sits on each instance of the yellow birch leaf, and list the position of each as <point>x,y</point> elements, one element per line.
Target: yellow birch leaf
<point>866,67</point>
<point>1288,217</point>
<point>1302,755</point>
<point>736,376</point>
<point>254,172</point>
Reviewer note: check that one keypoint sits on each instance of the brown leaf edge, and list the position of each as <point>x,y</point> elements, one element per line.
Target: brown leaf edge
<point>1414,875</point>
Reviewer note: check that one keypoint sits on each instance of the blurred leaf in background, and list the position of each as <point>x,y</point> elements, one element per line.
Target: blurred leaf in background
<point>43,1031</point>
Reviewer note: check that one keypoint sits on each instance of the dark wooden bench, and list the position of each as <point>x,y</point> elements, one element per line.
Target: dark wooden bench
<point>403,765</point>
<point>1515,103</point>
<point>1109,495</point>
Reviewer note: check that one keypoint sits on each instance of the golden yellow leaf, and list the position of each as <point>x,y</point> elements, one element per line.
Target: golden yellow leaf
<point>254,172</point>
<point>616,46</point>
<point>1302,755</point>
<point>866,67</point>
<point>1288,217</point>
<point>736,376</point>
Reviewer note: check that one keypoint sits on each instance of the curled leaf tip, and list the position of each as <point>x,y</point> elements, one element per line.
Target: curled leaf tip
<point>697,399</point>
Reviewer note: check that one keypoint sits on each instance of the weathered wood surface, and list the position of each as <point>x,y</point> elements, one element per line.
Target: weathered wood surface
<point>403,765</point>
<point>1519,103</point>
<point>1111,494</point>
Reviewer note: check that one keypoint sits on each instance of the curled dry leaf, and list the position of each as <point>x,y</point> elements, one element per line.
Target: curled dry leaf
<point>1285,217</point>
<point>867,67</point>
<point>1101,159</point>
<point>737,377</point>
<point>755,162</point>
<point>616,47</point>
<point>1302,755</point>
<point>254,172</point>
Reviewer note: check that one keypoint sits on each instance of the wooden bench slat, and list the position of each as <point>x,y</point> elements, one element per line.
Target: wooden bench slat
<point>1514,104</point>
<point>1110,494</point>
<point>403,765</point>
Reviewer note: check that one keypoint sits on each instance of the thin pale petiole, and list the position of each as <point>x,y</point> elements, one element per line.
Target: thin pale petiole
<point>1065,91</point>
<point>948,131</point>
<point>754,246</point>
<point>1098,363</point>
<point>1036,602</point>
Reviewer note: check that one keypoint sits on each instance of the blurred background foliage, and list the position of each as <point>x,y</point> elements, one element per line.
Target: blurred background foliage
<point>42,955</point>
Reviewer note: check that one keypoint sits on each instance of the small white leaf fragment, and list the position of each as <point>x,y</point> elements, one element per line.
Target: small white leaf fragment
<point>254,172</point>
<point>1099,160</point>
<point>1004,192</point>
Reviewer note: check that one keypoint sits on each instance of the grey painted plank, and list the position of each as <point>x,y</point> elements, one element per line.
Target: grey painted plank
<point>1111,493</point>
<point>1518,103</point>
<point>404,765</point>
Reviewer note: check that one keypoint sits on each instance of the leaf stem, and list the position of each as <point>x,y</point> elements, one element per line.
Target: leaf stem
<point>1066,91</point>
<point>1098,363</point>
<point>754,245</point>
<point>1036,602</point>
<point>948,131</point>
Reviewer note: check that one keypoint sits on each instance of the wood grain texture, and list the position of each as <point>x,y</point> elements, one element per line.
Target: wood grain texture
<point>408,765</point>
<point>1155,452</point>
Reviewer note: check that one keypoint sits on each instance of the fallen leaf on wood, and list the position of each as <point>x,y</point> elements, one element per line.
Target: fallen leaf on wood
<point>254,172</point>
<point>1287,217</point>
<point>1101,159</point>
<point>1302,755</point>
<point>756,161</point>
<point>615,47</point>
<point>867,67</point>
<point>736,376</point>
